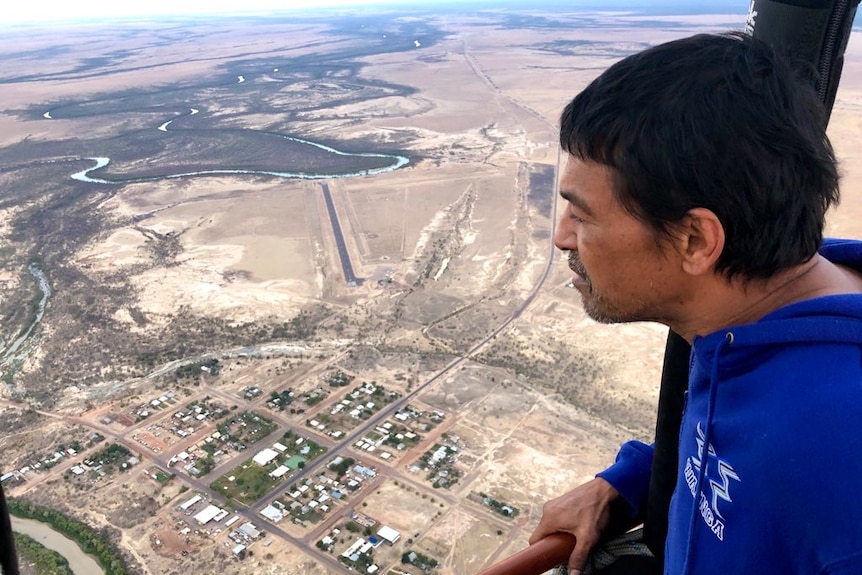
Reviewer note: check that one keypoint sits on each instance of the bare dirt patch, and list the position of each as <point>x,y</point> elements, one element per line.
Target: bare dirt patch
<point>462,542</point>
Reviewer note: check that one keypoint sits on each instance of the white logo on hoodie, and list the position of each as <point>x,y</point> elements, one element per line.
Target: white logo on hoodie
<point>719,483</point>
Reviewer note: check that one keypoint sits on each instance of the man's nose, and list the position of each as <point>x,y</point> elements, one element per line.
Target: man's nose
<point>565,237</point>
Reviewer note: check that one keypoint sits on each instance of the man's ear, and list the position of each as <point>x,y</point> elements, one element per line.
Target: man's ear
<point>702,241</point>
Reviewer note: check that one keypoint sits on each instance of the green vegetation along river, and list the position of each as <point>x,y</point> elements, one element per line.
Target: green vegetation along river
<point>80,562</point>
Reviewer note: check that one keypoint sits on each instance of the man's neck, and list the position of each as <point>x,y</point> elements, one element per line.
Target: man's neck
<point>722,303</point>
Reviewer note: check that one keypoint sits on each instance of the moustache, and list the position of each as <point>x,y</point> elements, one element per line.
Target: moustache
<point>576,266</point>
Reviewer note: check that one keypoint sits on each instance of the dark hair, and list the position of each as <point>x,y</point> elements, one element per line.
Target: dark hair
<point>719,122</point>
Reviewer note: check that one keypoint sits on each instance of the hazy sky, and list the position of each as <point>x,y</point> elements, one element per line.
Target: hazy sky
<point>18,11</point>
<point>50,11</point>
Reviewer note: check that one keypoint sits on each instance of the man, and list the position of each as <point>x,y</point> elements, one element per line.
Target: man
<point>698,178</point>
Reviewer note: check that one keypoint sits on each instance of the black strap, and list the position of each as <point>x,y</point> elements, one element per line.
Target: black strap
<point>8,555</point>
<point>674,382</point>
<point>813,33</point>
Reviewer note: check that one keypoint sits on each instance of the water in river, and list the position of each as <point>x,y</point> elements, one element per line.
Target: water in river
<point>80,562</point>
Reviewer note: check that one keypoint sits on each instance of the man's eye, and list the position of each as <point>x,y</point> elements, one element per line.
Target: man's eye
<point>576,217</point>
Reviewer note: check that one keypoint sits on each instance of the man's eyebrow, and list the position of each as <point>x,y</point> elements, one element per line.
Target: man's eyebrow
<point>577,201</point>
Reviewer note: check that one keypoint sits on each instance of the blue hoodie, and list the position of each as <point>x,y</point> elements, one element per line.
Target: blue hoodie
<point>779,404</point>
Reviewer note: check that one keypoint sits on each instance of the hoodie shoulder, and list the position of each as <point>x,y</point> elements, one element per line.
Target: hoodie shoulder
<point>843,251</point>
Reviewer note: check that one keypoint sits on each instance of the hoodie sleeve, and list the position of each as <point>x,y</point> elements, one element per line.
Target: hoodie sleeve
<point>630,474</point>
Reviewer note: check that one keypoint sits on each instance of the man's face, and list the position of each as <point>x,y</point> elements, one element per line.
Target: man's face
<point>620,271</point>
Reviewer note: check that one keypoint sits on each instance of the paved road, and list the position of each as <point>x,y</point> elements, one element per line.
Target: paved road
<point>343,254</point>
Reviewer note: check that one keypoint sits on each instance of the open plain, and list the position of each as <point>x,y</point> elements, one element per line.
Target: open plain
<point>243,224</point>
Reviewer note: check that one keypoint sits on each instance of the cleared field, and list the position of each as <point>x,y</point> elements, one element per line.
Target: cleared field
<point>463,541</point>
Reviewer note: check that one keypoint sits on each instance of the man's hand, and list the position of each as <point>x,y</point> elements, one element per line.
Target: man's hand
<point>584,512</point>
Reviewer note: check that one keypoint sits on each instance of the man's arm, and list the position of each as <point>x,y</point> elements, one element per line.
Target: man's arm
<point>630,475</point>
<point>610,502</point>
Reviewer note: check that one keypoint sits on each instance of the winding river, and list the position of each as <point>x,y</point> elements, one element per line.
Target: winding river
<point>40,312</point>
<point>80,562</point>
<point>397,162</point>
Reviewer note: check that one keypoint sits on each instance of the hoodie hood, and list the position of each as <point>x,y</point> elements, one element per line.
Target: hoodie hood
<point>829,319</point>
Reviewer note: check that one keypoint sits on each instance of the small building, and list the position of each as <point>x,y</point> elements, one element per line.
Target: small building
<point>279,472</point>
<point>366,471</point>
<point>353,548</point>
<point>207,515</point>
<point>265,456</point>
<point>272,513</point>
<point>249,530</point>
<point>388,534</point>
<point>185,506</point>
